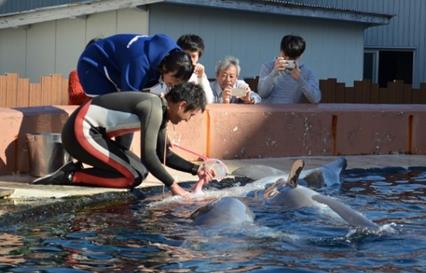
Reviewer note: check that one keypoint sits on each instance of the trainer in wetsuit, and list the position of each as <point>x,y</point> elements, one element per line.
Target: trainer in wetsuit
<point>87,136</point>
<point>132,62</point>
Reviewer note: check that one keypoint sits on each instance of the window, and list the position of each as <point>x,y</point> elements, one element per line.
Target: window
<point>382,66</point>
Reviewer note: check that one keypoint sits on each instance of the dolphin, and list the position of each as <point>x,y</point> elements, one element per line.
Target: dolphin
<point>228,211</point>
<point>289,195</point>
<point>326,175</point>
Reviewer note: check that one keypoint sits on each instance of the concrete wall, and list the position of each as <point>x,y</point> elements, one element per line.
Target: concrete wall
<point>54,47</point>
<point>334,49</point>
<point>251,131</point>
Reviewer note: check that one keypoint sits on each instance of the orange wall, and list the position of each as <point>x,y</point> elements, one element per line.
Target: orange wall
<point>251,131</point>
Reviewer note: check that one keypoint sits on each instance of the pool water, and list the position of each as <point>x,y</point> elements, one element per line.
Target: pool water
<point>158,236</point>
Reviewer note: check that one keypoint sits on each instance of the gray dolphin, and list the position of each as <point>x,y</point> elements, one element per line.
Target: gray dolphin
<point>227,211</point>
<point>326,175</point>
<point>289,195</point>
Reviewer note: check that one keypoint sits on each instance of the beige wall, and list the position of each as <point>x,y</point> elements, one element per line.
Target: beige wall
<point>334,49</point>
<point>54,47</point>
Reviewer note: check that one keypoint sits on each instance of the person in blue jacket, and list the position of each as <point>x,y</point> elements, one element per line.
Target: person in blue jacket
<point>132,62</point>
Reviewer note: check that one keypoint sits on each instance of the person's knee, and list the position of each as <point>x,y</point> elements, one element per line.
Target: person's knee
<point>142,174</point>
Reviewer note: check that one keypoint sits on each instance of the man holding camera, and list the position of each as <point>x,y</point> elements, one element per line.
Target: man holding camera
<point>285,80</point>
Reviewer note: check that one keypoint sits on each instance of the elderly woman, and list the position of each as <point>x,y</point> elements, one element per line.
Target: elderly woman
<point>227,88</point>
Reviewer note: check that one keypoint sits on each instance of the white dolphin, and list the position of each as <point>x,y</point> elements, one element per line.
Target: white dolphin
<point>286,193</point>
<point>326,175</point>
<point>289,195</point>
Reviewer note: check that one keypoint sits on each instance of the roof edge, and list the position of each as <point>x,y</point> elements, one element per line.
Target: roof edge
<point>44,14</point>
<point>271,7</point>
<point>293,9</point>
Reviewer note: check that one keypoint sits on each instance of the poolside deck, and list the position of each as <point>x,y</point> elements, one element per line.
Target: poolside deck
<point>22,191</point>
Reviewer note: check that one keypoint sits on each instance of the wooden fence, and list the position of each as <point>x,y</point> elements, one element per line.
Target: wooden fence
<point>367,92</point>
<point>18,92</point>
<point>53,89</point>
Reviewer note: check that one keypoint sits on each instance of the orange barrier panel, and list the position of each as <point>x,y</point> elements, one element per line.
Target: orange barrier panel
<point>251,131</point>
<point>10,122</point>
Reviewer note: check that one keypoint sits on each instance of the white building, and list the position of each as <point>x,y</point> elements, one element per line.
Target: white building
<point>38,40</point>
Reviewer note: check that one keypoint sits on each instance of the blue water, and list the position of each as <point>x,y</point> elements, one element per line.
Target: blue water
<point>142,236</point>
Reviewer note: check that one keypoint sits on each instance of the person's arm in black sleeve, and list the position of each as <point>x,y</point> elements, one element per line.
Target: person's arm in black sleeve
<point>173,160</point>
<point>151,115</point>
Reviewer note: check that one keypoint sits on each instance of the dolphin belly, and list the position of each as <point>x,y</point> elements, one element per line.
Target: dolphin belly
<point>256,172</point>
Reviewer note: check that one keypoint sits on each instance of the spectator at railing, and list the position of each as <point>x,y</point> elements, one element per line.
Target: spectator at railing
<point>194,46</point>
<point>227,88</point>
<point>286,80</point>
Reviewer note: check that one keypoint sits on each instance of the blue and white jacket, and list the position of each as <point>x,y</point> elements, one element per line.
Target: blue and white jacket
<point>129,61</point>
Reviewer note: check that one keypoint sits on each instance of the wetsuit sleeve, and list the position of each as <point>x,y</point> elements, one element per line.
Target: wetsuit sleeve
<point>151,115</point>
<point>173,160</point>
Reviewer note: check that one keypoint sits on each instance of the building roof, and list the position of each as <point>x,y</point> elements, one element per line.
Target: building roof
<point>17,13</point>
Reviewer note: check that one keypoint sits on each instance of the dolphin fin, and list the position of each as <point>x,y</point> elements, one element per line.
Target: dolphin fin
<point>295,171</point>
<point>351,216</point>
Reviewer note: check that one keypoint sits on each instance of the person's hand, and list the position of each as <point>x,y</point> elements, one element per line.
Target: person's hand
<point>178,190</point>
<point>198,187</point>
<point>247,97</point>
<point>280,64</point>
<point>205,173</point>
<point>226,94</point>
<point>199,70</point>
<point>295,73</point>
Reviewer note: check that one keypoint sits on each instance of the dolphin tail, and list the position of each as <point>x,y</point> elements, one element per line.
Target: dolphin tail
<point>327,175</point>
<point>295,171</point>
<point>293,176</point>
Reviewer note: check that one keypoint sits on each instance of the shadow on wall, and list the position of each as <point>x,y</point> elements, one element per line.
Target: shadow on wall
<point>35,120</point>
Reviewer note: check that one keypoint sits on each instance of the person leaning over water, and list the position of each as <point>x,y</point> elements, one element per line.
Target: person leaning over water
<point>227,72</point>
<point>88,131</point>
<point>132,62</point>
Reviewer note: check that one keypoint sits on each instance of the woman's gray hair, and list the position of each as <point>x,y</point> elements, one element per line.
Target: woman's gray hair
<point>227,62</point>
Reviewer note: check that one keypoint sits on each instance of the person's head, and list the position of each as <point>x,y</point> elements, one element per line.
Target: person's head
<point>185,101</point>
<point>292,46</point>
<point>193,45</point>
<point>176,67</point>
<point>227,71</point>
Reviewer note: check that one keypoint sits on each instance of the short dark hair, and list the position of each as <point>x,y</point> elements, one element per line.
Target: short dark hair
<point>178,62</point>
<point>192,93</point>
<point>293,46</point>
<point>191,42</point>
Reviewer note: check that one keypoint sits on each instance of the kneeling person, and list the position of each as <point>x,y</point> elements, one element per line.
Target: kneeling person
<point>88,133</point>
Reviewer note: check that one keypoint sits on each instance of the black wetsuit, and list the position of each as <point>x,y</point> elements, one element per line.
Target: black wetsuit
<point>88,133</point>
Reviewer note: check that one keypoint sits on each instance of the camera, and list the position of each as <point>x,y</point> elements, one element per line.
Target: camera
<point>290,65</point>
